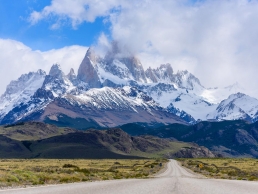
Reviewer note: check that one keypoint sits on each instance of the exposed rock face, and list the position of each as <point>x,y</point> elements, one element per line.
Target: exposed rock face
<point>56,71</point>
<point>236,106</point>
<point>43,94</point>
<point>125,143</point>
<point>135,67</point>
<point>20,91</point>
<point>125,66</point>
<point>111,107</point>
<point>71,76</point>
<point>87,72</point>
<point>162,73</point>
<point>151,75</point>
<point>24,81</point>
<point>243,137</point>
<point>186,80</point>
<point>182,114</point>
<point>194,152</point>
<point>27,83</point>
<point>56,81</point>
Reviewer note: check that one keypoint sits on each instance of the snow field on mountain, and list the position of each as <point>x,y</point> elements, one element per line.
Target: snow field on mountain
<point>120,83</point>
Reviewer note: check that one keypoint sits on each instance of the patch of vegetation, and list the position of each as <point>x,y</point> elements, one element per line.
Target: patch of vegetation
<point>17,172</point>
<point>77,123</point>
<point>235,138</point>
<point>224,168</point>
<point>28,131</point>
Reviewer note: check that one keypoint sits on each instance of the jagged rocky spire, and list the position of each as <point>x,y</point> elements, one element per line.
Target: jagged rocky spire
<point>87,72</point>
<point>71,75</point>
<point>162,73</point>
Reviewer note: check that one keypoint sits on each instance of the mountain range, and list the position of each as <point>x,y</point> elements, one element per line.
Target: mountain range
<point>40,140</point>
<point>226,138</point>
<point>114,90</point>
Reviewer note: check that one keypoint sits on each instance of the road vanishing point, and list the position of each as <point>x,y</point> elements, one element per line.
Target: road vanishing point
<point>175,180</point>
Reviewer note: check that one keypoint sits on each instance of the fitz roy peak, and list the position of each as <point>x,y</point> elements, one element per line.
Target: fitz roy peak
<point>115,89</point>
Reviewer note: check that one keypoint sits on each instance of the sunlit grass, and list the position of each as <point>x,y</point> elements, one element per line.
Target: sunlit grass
<point>16,172</point>
<point>224,168</point>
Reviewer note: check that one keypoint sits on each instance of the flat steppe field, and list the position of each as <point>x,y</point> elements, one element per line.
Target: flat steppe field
<point>28,172</point>
<point>224,168</point>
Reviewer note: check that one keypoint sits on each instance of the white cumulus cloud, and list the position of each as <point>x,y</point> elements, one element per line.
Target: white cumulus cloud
<point>215,40</point>
<point>17,58</point>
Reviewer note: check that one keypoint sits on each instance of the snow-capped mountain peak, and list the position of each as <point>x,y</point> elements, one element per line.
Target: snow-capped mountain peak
<point>164,73</point>
<point>118,82</point>
<point>57,82</point>
<point>236,106</point>
<point>21,90</point>
<point>71,75</point>
<point>186,80</point>
<point>87,72</point>
<point>56,71</point>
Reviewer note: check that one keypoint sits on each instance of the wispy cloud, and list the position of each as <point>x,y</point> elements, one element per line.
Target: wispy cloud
<point>216,40</point>
<point>77,11</point>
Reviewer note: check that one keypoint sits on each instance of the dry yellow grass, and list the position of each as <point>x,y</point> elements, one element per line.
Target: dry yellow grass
<point>18,172</point>
<point>225,168</point>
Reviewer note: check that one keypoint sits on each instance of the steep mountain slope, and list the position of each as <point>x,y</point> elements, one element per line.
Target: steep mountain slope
<point>21,90</point>
<point>57,82</point>
<point>32,131</point>
<point>236,106</point>
<point>228,138</point>
<point>62,95</point>
<point>109,107</point>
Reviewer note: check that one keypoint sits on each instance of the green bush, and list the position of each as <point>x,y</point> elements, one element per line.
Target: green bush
<point>69,166</point>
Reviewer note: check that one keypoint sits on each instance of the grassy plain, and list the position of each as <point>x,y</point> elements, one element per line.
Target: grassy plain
<point>224,168</point>
<point>25,172</point>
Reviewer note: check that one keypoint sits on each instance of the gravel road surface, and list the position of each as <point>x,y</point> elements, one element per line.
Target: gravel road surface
<point>174,180</point>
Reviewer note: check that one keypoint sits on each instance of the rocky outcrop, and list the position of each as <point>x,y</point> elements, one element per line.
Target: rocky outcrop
<point>72,77</point>
<point>236,106</point>
<point>193,152</point>
<point>20,91</point>
<point>87,72</point>
<point>242,137</point>
<point>151,75</point>
<point>123,64</point>
<point>110,107</point>
<point>182,114</point>
<point>186,80</point>
<point>135,67</point>
<point>56,81</point>
<point>163,73</point>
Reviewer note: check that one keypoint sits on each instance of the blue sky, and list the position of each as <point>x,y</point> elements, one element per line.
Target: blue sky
<point>216,40</point>
<point>15,25</point>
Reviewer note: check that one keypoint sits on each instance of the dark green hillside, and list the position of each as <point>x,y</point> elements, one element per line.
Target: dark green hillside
<point>10,148</point>
<point>229,138</point>
<point>33,131</point>
<point>26,140</point>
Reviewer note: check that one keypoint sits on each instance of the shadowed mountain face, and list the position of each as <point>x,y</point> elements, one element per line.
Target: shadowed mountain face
<point>228,138</point>
<point>39,140</point>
